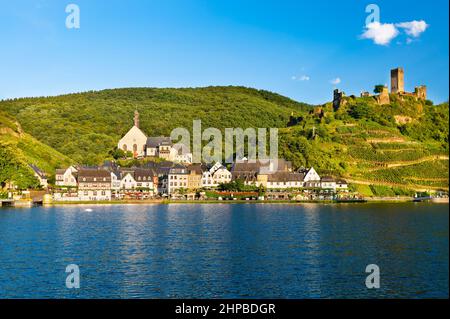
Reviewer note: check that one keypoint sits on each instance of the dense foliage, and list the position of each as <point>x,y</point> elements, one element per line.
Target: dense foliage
<point>87,126</point>
<point>388,145</point>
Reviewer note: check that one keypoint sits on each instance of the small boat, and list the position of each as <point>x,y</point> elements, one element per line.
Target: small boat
<point>88,210</point>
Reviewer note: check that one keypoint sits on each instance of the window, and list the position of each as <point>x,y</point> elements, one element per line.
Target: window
<point>124,147</point>
<point>103,193</point>
<point>135,148</point>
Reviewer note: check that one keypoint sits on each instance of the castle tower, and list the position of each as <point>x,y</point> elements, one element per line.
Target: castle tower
<point>136,118</point>
<point>421,92</point>
<point>397,80</point>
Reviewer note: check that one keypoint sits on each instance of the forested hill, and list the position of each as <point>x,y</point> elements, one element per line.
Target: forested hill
<point>380,148</point>
<point>86,126</point>
<point>19,149</point>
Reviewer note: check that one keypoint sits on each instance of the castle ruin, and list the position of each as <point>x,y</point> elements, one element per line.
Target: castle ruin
<point>397,88</point>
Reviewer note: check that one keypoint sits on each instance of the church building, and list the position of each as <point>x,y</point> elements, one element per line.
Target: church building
<point>135,140</point>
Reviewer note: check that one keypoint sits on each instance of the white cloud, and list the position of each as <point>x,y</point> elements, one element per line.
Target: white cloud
<point>380,33</point>
<point>413,28</point>
<point>336,81</point>
<point>301,78</point>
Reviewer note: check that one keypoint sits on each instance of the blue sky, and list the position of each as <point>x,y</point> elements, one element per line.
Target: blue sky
<point>301,49</point>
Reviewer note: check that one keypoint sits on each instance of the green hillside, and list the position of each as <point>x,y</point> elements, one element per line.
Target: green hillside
<point>401,145</point>
<point>87,126</point>
<point>18,149</point>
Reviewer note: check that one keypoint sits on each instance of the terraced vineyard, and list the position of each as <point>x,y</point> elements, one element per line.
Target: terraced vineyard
<point>370,154</point>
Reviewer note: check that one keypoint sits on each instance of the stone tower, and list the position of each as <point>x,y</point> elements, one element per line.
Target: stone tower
<point>383,97</point>
<point>136,118</point>
<point>421,92</point>
<point>397,80</point>
<point>338,100</point>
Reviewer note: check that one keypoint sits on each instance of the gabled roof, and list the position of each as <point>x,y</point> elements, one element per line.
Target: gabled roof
<point>38,171</point>
<point>157,141</point>
<point>89,174</point>
<point>285,177</point>
<point>133,131</point>
<point>196,168</point>
<point>60,171</point>
<point>141,173</point>
<point>262,166</point>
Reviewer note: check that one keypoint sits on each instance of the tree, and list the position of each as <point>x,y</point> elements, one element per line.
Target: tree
<point>117,153</point>
<point>378,88</point>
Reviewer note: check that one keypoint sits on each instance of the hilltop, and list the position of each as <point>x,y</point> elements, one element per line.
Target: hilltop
<point>19,149</point>
<point>383,148</point>
<point>403,144</point>
<point>86,126</point>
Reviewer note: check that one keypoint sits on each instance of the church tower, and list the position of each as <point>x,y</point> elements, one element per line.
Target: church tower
<point>136,118</point>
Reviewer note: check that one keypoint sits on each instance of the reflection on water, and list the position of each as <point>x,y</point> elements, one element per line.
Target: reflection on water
<point>225,251</point>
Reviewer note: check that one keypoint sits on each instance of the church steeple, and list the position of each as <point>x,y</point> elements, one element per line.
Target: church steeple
<point>136,118</point>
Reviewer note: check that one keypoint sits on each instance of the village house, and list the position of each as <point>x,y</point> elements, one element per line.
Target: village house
<point>181,154</point>
<point>215,175</point>
<point>138,182</point>
<point>194,177</point>
<point>311,179</point>
<point>256,172</point>
<point>66,177</point>
<point>40,175</point>
<point>284,180</point>
<point>333,184</point>
<point>94,184</point>
<point>160,146</point>
<point>177,180</point>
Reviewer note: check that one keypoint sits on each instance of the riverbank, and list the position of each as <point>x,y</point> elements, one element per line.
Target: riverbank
<point>387,200</point>
<point>230,202</point>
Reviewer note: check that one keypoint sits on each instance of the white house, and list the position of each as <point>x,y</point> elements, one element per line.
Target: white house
<point>328,182</point>
<point>127,182</point>
<point>66,177</point>
<point>180,154</point>
<point>94,185</point>
<point>311,179</point>
<point>284,180</point>
<point>40,175</point>
<point>216,175</point>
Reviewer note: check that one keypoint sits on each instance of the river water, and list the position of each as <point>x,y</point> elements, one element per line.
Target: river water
<point>225,251</point>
